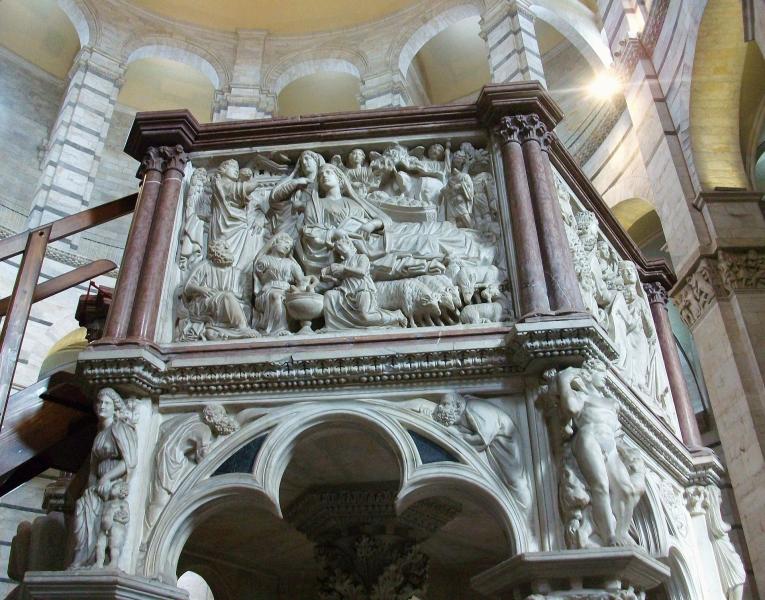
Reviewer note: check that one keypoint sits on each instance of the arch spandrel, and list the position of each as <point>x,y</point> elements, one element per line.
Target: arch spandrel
<point>201,494</point>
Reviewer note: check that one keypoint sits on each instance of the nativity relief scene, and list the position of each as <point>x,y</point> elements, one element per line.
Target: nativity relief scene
<point>370,240</point>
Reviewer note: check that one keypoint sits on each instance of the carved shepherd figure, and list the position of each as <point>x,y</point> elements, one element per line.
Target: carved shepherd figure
<point>112,459</point>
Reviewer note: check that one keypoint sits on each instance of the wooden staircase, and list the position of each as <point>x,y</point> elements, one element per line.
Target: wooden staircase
<point>50,423</point>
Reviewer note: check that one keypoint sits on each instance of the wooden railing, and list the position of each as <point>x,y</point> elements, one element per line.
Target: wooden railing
<point>32,244</point>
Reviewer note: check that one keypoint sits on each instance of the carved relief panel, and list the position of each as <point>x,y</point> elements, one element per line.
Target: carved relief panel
<point>341,239</point>
<point>614,296</point>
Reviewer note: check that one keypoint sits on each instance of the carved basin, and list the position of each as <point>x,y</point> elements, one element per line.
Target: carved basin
<point>304,307</point>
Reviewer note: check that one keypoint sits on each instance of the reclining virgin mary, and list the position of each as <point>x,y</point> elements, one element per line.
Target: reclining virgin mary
<point>395,249</point>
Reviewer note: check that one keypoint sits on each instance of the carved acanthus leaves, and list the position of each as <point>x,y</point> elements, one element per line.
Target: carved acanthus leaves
<point>151,161</point>
<point>524,128</point>
<point>175,158</point>
<point>656,293</point>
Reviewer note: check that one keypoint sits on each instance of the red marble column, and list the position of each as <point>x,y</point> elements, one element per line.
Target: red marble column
<point>689,429</point>
<point>143,322</point>
<point>562,285</point>
<point>531,278</point>
<point>132,259</point>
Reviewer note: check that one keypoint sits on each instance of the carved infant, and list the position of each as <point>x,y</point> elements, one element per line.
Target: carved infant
<point>114,520</point>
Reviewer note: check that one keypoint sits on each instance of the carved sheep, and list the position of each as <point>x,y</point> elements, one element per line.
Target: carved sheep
<point>449,300</point>
<point>472,279</point>
<point>488,312</point>
<point>412,297</point>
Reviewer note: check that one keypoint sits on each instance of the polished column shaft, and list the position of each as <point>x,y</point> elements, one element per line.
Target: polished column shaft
<point>689,429</point>
<point>531,279</point>
<point>148,292</point>
<point>135,249</point>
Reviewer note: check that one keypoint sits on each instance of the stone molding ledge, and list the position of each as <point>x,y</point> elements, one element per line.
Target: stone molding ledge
<point>559,572</point>
<point>96,585</point>
<point>286,372</point>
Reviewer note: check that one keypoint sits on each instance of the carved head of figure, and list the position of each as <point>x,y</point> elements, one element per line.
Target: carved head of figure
<point>229,169</point>
<point>329,178</point>
<point>587,228</point>
<point>219,421</point>
<point>449,409</point>
<point>481,162</point>
<point>198,177</point>
<point>436,152</point>
<point>459,160</point>
<point>309,164</point>
<point>107,403</point>
<point>344,247</point>
<point>219,254</point>
<point>595,371</point>
<point>245,174</point>
<point>356,158</point>
<point>120,490</point>
<point>281,244</point>
<point>398,154</point>
<point>628,273</point>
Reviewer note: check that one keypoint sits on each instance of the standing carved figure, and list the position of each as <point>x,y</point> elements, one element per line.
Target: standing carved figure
<point>457,197</point>
<point>114,519</point>
<point>491,430</point>
<point>290,196</point>
<point>275,271</point>
<point>112,459</point>
<point>731,569</point>
<point>228,218</point>
<point>614,476</point>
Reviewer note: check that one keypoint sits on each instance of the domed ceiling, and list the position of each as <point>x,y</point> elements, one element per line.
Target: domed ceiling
<point>282,16</point>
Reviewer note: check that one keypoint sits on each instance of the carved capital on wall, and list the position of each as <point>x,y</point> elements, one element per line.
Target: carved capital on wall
<point>719,276</point>
<point>524,128</point>
<point>656,292</point>
<point>151,161</point>
<point>175,158</point>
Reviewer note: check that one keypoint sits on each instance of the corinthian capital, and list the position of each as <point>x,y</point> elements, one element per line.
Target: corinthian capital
<point>175,158</point>
<point>151,161</point>
<point>524,128</point>
<point>656,293</point>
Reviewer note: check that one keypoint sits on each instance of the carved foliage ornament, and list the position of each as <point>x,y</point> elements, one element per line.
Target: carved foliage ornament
<point>524,128</point>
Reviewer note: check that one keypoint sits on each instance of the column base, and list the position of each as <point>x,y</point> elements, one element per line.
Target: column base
<point>94,584</point>
<point>572,573</point>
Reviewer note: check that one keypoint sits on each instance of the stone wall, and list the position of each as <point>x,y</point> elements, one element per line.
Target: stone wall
<point>29,99</point>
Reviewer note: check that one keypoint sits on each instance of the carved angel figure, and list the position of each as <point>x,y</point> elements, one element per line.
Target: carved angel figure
<point>491,430</point>
<point>112,460</point>
<point>614,476</point>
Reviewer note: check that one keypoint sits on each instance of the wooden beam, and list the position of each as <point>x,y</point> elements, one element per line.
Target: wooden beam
<point>72,224</point>
<point>15,323</point>
<point>64,282</point>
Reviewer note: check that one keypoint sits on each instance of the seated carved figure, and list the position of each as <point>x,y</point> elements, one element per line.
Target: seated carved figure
<point>275,272</point>
<point>214,296</point>
<point>612,473</point>
<point>353,302</point>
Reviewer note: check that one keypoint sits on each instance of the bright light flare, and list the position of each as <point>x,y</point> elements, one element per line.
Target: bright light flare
<point>605,86</point>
